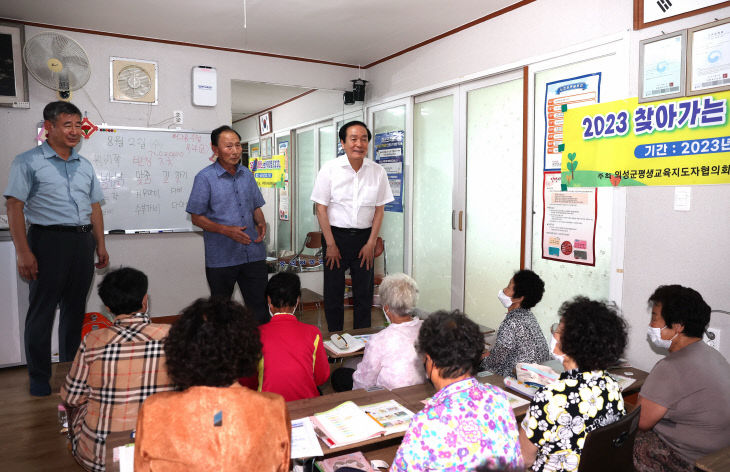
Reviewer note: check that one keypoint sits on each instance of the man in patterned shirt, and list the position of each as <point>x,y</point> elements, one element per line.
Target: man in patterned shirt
<point>115,369</point>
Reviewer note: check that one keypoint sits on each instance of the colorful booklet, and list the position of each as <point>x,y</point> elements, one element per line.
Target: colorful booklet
<point>345,424</point>
<point>394,417</point>
<point>520,387</point>
<point>348,423</point>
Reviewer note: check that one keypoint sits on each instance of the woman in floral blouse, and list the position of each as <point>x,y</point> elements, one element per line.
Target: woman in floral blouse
<point>591,336</point>
<point>465,424</point>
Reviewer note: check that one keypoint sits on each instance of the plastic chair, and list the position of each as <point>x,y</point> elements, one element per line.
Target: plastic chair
<point>610,448</point>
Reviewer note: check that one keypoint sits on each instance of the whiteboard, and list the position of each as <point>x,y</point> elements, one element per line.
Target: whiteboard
<point>146,175</point>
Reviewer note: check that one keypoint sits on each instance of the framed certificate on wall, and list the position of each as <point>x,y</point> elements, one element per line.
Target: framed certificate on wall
<point>662,68</point>
<point>708,58</point>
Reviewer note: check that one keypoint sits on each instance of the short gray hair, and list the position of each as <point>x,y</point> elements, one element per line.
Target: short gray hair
<point>399,292</point>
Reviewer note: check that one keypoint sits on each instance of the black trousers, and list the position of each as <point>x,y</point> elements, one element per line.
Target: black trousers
<point>252,278</point>
<point>65,270</point>
<point>349,242</point>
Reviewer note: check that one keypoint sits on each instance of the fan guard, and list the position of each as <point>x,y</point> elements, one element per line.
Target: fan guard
<point>57,61</point>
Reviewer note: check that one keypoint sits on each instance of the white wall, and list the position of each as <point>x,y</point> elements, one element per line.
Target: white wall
<point>661,246</point>
<point>174,262</point>
<point>664,246</point>
<point>316,106</point>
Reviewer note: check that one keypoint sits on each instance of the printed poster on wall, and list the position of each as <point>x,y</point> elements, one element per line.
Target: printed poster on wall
<point>269,172</point>
<point>682,141</point>
<point>560,96</point>
<point>568,222</point>
<point>284,191</point>
<point>388,149</point>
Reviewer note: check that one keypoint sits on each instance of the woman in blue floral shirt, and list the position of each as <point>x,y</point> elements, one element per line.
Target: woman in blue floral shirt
<point>465,424</point>
<point>591,336</point>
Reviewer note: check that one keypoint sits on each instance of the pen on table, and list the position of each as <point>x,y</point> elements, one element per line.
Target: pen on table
<point>371,416</point>
<point>323,437</point>
<point>165,231</point>
<point>141,232</point>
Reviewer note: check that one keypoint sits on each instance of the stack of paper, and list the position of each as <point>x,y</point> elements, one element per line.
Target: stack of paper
<point>303,440</point>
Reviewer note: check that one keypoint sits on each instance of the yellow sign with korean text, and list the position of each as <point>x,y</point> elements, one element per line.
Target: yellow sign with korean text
<point>269,172</point>
<point>684,141</point>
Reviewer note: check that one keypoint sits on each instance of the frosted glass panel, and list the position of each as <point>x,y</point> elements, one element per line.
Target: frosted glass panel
<point>327,143</point>
<point>433,168</point>
<point>563,281</point>
<point>283,227</point>
<point>384,121</point>
<point>306,170</point>
<point>493,197</point>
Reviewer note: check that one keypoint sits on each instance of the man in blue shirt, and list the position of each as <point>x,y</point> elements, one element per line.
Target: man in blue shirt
<point>56,191</point>
<point>226,203</point>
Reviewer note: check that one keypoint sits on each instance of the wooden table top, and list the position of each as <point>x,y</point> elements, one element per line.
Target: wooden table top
<point>718,461</point>
<point>412,397</point>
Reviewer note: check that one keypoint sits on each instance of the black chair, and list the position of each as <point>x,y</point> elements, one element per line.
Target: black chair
<point>610,448</point>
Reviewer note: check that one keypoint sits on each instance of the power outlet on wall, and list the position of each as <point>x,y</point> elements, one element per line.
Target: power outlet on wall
<point>713,343</point>
<point>177,116</point>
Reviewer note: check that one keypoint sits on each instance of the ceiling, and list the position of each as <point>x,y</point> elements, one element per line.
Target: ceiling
<point>338,31</point>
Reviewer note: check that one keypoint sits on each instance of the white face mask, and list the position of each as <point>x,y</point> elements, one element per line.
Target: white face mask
<point>293,311</point>
<point>655,336</point>
<point>506,301</point>
<point>553,343</point>
<point>387,318</point>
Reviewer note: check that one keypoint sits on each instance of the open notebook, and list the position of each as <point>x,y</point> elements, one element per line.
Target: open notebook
<point>348,423</point>
<point>347,344</point>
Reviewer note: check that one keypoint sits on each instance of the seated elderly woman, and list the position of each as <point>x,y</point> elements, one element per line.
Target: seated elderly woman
<point>214,423</point>
<point>390,359</point>
<point>519,338</point>
<point>466,423</point>
<point>590,337</point>
<point>685,404</point>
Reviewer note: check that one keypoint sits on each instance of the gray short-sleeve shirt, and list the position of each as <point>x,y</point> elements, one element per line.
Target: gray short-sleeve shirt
<point>694,385</point>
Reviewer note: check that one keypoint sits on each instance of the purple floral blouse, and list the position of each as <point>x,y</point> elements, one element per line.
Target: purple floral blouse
<point>464,425</point>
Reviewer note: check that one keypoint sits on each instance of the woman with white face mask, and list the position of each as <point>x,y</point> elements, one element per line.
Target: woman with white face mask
<point>590,337</point>
<point>519,338</point>
<point>685,401</point>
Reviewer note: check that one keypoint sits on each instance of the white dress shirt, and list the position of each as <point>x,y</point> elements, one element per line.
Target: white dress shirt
<point>390,359</point>
<point>351,197</point>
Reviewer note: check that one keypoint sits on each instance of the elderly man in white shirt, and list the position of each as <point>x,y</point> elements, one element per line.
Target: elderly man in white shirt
<point>350,194</point>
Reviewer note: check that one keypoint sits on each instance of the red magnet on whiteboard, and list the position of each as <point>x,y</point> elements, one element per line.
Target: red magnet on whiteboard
<point>87,127</point>
<point>41,134</point>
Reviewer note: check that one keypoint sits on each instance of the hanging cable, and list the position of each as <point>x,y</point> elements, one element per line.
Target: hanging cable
<point>93,104</point>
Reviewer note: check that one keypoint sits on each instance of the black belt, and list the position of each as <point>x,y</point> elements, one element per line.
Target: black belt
<point>351,230</point>
<point>64,228</point>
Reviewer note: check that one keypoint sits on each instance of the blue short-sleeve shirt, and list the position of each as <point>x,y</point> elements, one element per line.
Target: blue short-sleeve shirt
<point>229,200</point>
<point>55,191</point>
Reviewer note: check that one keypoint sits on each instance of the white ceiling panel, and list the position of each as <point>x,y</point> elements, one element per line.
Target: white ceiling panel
<point>329,30</point>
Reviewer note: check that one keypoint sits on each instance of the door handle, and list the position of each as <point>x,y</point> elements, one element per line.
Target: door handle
<point>461,217</point>
<point>453,224</point>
